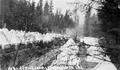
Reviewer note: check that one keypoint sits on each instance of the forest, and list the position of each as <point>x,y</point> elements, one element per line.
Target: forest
<point>24,15</point>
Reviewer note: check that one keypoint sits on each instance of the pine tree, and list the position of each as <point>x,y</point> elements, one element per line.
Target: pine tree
<point>66,19</point>
<point>110,25</point>
<point>8,13</point>
<point>110,17</point>
<point>46,8</point>
<point>39,7</point>
<point>51,7</point>
<point>39,14</point>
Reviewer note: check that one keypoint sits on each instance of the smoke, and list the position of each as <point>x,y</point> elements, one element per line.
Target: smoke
<point>84,23</point>
<point>78,30</point>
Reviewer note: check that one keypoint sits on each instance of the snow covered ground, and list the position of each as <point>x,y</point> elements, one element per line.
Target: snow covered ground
<point>68,59</point>
<point>16,37</point>
<point>72,55</point>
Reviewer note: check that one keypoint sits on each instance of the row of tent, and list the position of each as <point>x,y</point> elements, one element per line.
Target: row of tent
<point>16,37</point>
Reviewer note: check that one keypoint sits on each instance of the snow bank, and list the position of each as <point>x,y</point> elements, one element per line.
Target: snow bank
<point>105,66</point>
<point>90,40</point>
<point>16,37</point>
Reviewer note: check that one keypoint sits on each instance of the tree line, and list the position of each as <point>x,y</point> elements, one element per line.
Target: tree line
<point>24,15</point>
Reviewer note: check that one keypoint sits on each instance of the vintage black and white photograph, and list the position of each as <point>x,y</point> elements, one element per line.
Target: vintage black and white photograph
<point>59,34</point>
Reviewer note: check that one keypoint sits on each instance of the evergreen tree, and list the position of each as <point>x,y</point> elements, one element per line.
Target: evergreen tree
<point>8,13</point>
<point>110,25</point>
<point>67,20</point>
<point>110,17</point>
<point>46,8</point>
<point>51,7</point>
<point>39,14</point>
<point>39,7</point>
